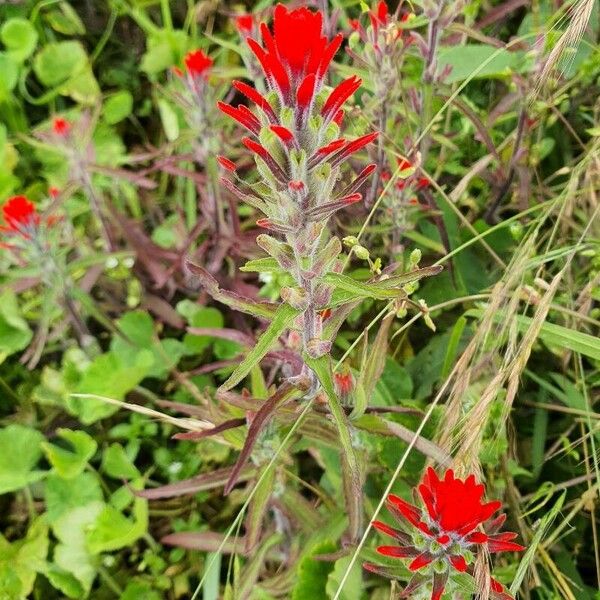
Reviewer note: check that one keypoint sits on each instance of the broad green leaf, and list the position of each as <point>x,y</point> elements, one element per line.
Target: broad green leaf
<point>112,530</point>
<point>477,61</point>
<point>20,37</point>
<point>311,580</point>
<point>353,586</point>
<point>15,333</point>
<point>108,376</point>
<point>65,20</point>
<point>138,590</point>
<point>138,327</point>
<point>20,451</point>
<point>169,119</point>
<point>117,464</point>
<point>9,75</point>
<point>82,87</point>
<point>57,62</point>
<point>70,463</point>
<point>282,320</point>
<point>117,107</point>
<point>165,49</point>
<point>64,582</point>
<point>199,316</point>
<point>63,495</point>
<point>71,554</point>
<point>22,560</point>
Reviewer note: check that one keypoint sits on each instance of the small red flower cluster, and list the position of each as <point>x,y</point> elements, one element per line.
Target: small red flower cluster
<point>20,216</point>
<point>61,127</point>
<point>244,24</point>
<point>197,66</point>
<point>381,20</point>
<point>445,534</point>
<point>297,128</point>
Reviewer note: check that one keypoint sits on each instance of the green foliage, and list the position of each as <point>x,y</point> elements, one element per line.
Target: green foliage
<point>20,451</point>
<point>111,480</point>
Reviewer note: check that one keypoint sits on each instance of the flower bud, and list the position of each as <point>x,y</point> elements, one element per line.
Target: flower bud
<point>361,252</point>
<point>415,257</point>
<point>350,241</point>
<point>317,347</point>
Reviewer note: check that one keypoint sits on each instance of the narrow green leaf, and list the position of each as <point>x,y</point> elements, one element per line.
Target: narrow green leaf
<point>265,310</point>
<point>555,335</point>
<point>322,368</point>
<point>282,319</point>
<point>358,288</point>
<point>530,554</point>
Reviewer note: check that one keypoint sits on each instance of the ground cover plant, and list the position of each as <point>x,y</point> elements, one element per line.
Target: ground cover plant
<point>299,300</point>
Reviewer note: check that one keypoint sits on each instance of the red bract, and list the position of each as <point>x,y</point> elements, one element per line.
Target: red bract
<point>445,534</point>
<point>197,63</point>
<point>381,21</point>
<point>61,126</point>
<point>19,215</point>
<point>296,49</point>
<point>295,58</point>
<point>244,24</point>
<point>344,383</point>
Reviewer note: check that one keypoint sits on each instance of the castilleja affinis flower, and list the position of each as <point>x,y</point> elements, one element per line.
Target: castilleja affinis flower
<point>443,537</point>
<point>20,216</point>
<point>294,131</point>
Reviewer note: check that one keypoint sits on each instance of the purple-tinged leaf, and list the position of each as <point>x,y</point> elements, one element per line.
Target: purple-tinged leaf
<point>285,393</point>
<point>200,483</point>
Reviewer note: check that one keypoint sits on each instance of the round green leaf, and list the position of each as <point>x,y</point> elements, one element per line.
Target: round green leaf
<point>59,61</point>
<point>117,107</point>
<point>20,37</point>
<point>9,74</point>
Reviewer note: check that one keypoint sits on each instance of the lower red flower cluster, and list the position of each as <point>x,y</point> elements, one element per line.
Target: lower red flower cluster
<point>20,215</point>
<point>443,537</point>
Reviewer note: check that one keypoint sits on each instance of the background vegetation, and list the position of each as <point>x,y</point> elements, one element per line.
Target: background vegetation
<point>101,369</point>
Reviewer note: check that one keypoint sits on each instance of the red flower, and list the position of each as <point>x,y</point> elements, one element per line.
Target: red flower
<point>61,126</point>
<point>197,63</point>
<point>296,49</point>
<point>344,383</point>
<point>295,57</point>
<point>446,532</point>
<point>226,163</point>
<point>19,214</point>
<point>244,24</point>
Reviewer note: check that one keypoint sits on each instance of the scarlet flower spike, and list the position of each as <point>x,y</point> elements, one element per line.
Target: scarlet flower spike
<point>305,93</point>
<point>453,511</point>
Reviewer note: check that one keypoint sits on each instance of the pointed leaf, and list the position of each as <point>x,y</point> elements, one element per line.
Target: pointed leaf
<point>265,310</point>
<point>282,320</point>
